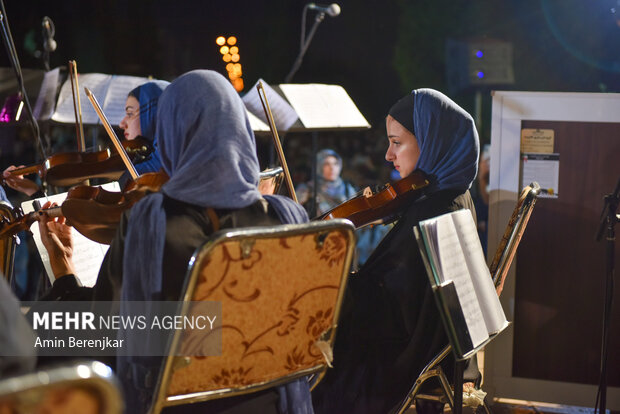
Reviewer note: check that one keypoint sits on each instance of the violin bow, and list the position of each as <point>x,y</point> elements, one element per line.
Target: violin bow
<point>276,139</point>
<point>117,142</point>
<point>77,107</point>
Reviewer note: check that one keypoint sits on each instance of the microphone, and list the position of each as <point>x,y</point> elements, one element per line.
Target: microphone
<point>49,44</point>
<point>333,9</point>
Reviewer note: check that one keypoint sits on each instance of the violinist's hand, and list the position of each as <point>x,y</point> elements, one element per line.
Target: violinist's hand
<point>19,183</point>
<point>56,237</point>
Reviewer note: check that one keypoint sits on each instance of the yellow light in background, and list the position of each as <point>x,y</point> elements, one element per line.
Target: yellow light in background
<point>230,54</point>
<point>238,84</point>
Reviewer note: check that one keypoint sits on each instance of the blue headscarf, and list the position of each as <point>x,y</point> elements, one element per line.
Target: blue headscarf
<point>208,150</point>
<point>448,140</point>
<point>148,95</point>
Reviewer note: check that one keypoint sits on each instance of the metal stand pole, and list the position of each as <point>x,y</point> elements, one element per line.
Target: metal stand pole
<point>317,20</point>
<point>315,181</point>
<point>609,218</point>
<point>459,369</point>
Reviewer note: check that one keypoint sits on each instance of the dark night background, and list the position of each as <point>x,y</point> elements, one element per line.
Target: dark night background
<point>377,50</point>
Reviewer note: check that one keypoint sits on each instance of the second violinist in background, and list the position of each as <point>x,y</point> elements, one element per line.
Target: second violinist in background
<point>139,120</point>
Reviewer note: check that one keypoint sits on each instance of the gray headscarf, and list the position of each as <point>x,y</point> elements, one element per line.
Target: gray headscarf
<point>208,150</point>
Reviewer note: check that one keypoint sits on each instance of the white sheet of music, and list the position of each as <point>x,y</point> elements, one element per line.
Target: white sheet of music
<point>256,124</point>
<point>454,268</point>
<point>111,93</point>
<point>492,310</point>
<point>96,82</point>
<point>283,113</point>
<point>324,106</point>
<point>87,254</point>
<point>44,107</point>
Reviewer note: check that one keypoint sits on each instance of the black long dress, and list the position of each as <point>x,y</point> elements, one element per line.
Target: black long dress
<point>389,328</point>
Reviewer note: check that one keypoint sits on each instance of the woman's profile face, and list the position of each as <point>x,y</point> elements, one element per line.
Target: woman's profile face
<point>403,150</point>
<point>331,168</point>
<point>130,124</point>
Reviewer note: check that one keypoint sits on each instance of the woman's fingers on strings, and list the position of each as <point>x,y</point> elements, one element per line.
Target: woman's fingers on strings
<point>43,216</point>
<point>7,170</point>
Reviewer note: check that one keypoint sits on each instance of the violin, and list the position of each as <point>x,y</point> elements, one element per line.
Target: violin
<point>70,168</point>
<point>382,205</point>
<point>96,212</point>
<point>93,211</point>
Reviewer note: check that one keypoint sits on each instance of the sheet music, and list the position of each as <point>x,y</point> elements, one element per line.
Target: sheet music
<point>111,92</point>
<point>492,310</point>
<point>454,268</point>
<point>283,113</point>
<point>87,254</point>
<point>256,124</point>
<point>324,106</point>
<point>429,229</point>
<point>44,106</point>
<point>96,82</point>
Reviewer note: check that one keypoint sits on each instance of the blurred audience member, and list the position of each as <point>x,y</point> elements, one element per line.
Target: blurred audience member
<point>332,190</point>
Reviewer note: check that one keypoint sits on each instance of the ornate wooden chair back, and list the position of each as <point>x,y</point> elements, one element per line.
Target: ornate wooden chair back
<point>280,290</point>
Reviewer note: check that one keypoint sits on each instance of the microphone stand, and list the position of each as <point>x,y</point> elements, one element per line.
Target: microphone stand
<point>10,48</point>
<point>304,44</point>
<point>608,220</point>
<point>303,47</point>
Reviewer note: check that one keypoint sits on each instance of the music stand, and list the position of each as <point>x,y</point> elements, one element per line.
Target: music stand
<point>318,107</point>
<point>452,316</point>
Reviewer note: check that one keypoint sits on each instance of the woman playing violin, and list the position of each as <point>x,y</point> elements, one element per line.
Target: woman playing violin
<point>208,150</point>
<point>390,328</point>
<point>139,120</point>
